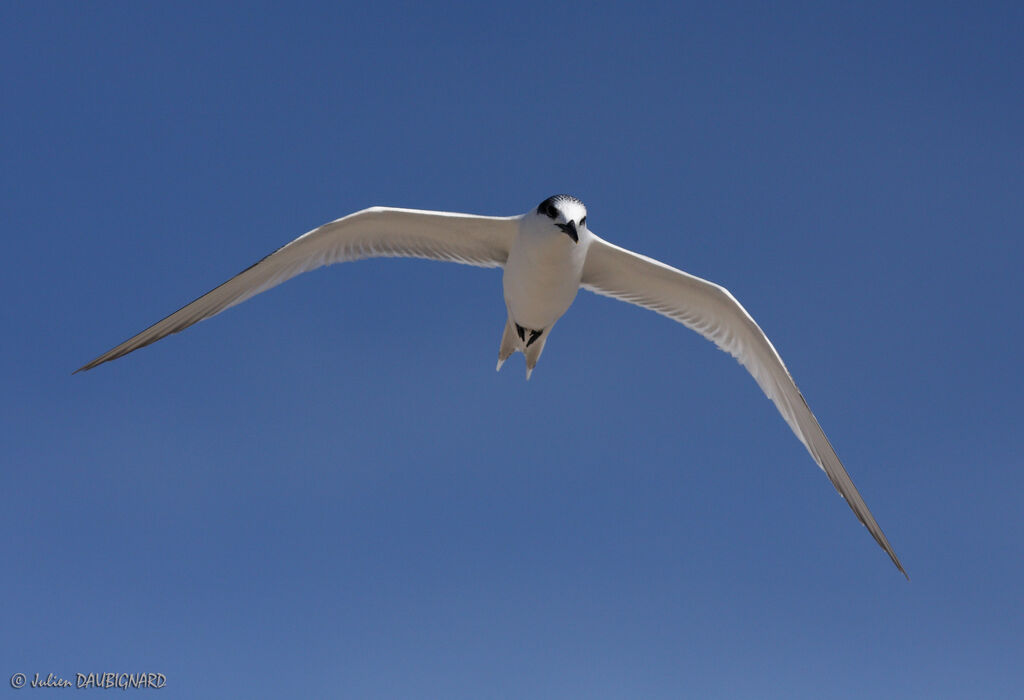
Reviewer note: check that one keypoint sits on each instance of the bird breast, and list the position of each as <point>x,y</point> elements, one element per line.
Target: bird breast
<point>542,276</point>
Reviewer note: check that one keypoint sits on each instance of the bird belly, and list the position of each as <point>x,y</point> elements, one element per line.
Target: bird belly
<point>540,283</point>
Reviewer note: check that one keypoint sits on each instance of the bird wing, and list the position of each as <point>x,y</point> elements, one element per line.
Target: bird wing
<point>372,233</point>
<point>713,312</point>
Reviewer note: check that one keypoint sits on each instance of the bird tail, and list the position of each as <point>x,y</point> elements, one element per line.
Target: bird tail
<point>533,351</point>
<point>508,343</point>
<point>528,342</point>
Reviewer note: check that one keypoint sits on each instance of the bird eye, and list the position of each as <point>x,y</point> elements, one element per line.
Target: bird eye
<point>552,212</point>
<point>583,221</point>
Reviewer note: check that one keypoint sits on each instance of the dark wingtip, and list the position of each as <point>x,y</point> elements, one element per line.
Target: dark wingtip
<point>902,570</point>
<point>896,561</point>
<point>86,367</point>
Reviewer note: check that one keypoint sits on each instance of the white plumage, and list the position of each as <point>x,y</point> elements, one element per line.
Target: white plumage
<point>547,254</point>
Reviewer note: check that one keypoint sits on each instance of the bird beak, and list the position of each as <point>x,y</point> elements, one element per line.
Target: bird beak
<point>570,230</point>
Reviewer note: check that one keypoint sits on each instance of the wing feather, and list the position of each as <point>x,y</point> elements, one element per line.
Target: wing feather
<point>713,312</point>
<point>372,233</point>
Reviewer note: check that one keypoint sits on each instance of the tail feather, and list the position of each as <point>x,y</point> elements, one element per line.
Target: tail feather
<point>508,343</point>
<point>511,342</point>
<point>533,353</point>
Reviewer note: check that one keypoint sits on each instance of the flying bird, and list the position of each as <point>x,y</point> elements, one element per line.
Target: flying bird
<point>548,254</point>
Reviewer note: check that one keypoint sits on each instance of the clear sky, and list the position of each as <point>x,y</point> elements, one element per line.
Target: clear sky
<point>328,491</point>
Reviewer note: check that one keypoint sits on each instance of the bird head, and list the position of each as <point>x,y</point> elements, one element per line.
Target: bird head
<point>566,213</point>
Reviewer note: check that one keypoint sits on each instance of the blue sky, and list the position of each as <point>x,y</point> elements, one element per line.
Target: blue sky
<point>328,491</point>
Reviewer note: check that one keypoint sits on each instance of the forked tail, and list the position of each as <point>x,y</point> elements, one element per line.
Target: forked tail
<point>527,341</point>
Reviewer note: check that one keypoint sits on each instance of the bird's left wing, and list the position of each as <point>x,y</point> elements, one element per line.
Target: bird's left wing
<point>372,233</point>
<point>714,313</point>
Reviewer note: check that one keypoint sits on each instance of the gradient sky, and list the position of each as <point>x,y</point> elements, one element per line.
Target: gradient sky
<point>328,491</point>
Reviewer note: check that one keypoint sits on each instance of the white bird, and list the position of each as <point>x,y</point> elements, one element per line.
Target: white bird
<point>547,254</point>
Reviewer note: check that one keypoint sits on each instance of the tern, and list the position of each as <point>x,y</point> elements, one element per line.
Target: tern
<point>548,255</point>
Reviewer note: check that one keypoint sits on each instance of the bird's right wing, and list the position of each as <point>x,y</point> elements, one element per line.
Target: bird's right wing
<point>372,233</point>
<point>713,312</point>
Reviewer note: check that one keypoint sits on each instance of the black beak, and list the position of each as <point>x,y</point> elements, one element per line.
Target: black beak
<point>570,230</point>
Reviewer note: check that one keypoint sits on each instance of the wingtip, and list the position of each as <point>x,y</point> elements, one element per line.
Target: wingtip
<point>895,559</point>
<point>86,367</point>
<point>500,363</point>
